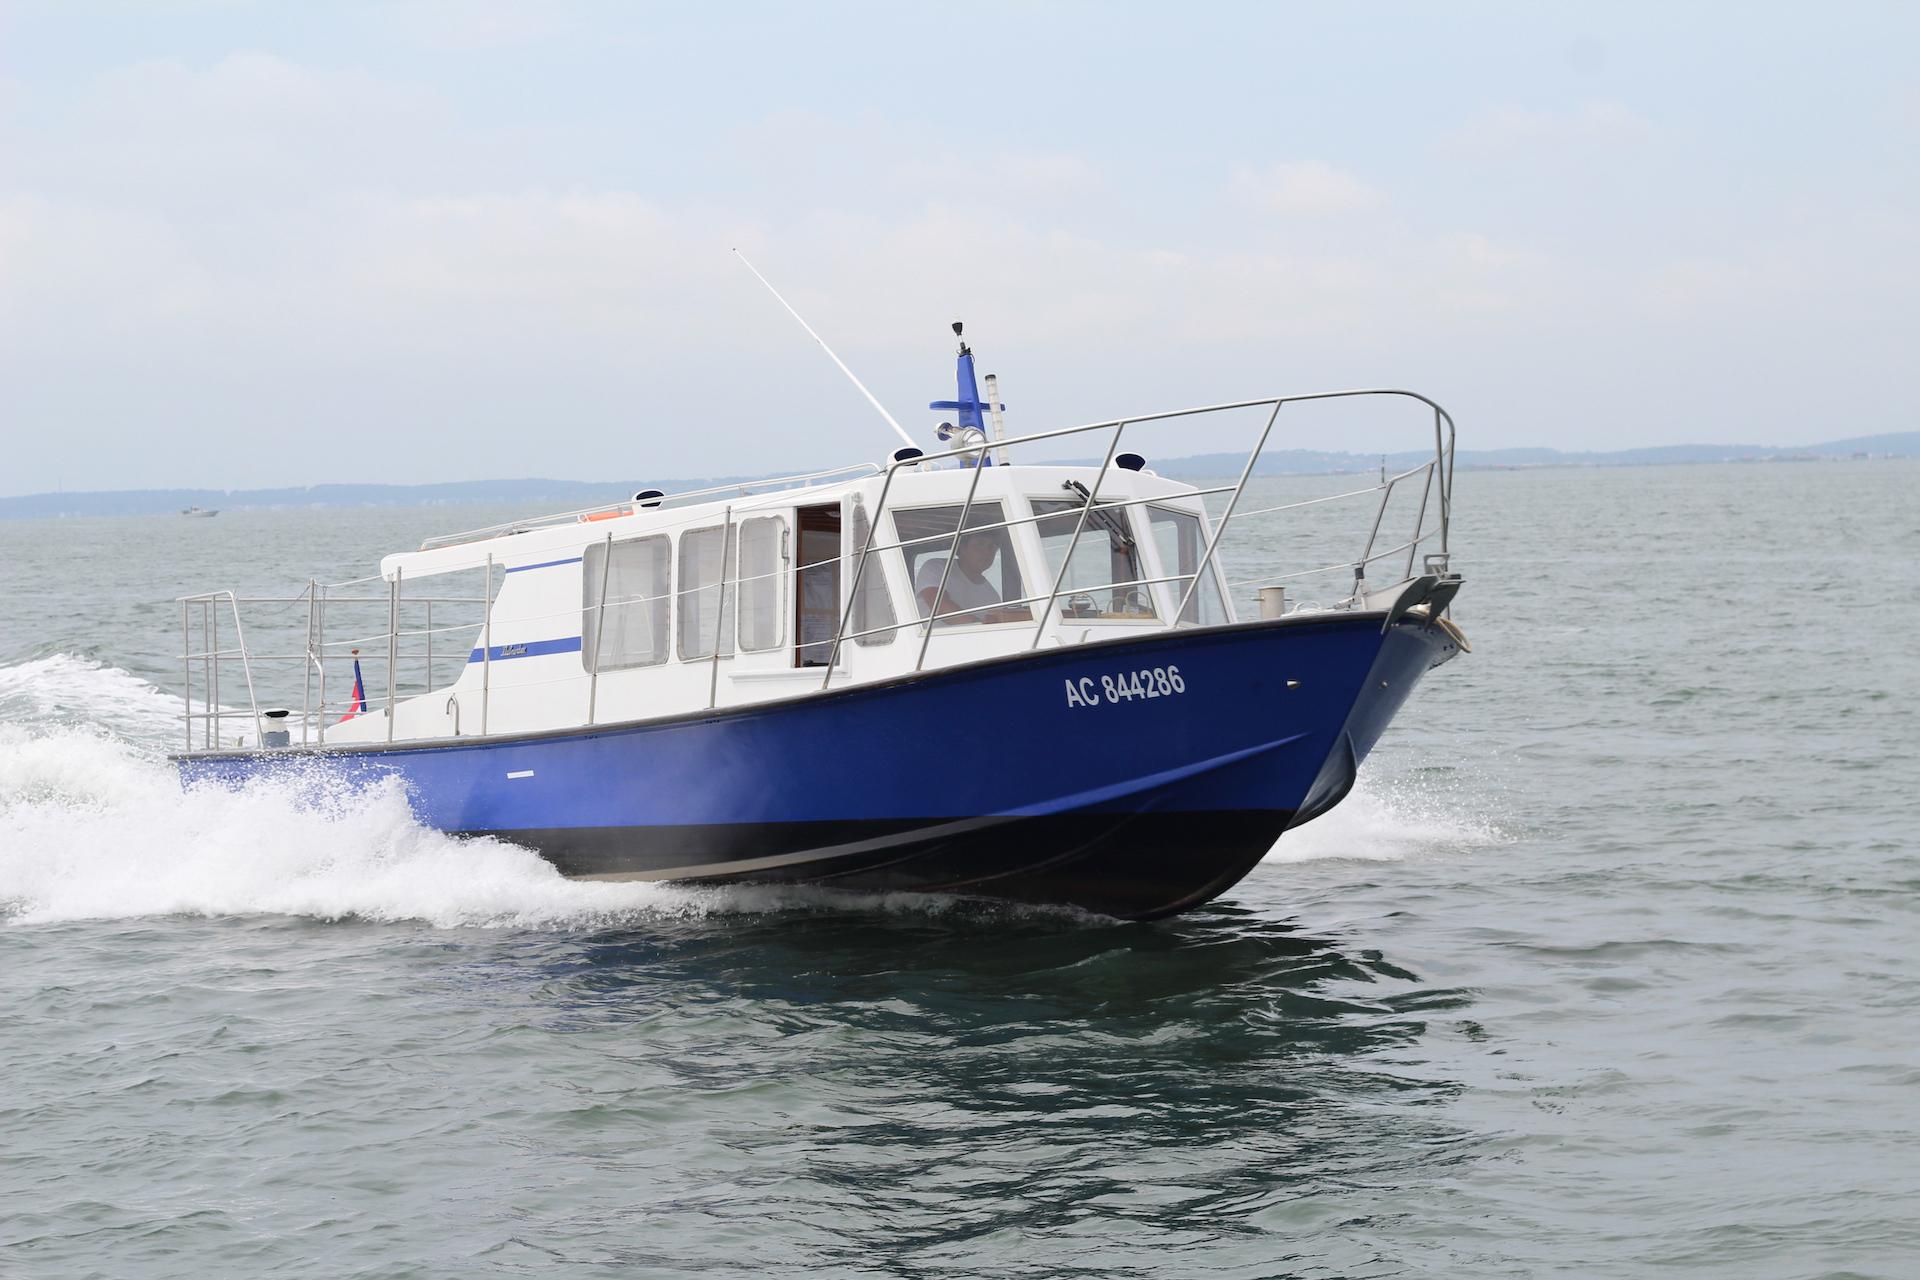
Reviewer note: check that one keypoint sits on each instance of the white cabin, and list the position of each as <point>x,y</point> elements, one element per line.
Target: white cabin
<point>738,598</point>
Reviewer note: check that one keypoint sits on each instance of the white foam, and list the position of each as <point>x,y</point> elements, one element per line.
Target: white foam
<point>1389,818</point>
<point>63,688</point>
<point>93,826</point>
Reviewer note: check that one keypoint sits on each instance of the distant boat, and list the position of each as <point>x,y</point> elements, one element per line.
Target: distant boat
<point>200,512</point>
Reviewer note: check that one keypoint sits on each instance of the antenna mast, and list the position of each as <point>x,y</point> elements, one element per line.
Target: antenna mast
<point>878,407</point>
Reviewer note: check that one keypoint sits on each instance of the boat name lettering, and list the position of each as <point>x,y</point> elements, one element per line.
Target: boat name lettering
<point>1148,682</point>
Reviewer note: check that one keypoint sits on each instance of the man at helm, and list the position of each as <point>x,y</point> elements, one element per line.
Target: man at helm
<point>967,587</point>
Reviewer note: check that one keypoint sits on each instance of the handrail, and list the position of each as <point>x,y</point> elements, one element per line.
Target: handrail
<point>1220,530</point>
<point>318,651</point>
<point>719,614</point>
<point>561,517</point>
<point>946,566</point>
<point>922,461</point>
<point>1073,544</point>
<point>808,478</point>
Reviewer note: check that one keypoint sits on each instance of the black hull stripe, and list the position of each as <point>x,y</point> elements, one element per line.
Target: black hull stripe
<point>1128,865</point>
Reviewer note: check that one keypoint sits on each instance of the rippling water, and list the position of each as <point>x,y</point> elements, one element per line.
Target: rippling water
<point>1609,967</point>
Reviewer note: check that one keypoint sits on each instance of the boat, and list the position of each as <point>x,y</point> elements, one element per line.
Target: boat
<point>956,670</point>
<point>198,512</point>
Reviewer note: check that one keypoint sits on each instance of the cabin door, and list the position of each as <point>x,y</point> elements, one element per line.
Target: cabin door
<point>816,594</point>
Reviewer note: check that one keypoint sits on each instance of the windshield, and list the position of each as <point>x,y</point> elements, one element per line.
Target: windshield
<point>1104,577</point>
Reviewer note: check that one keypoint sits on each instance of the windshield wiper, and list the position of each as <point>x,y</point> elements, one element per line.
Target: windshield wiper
<point>1115,526</point>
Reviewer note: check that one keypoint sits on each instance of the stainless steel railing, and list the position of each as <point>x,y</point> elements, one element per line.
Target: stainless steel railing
<point>741,487</point>
<point>1440,469</point>
<point>393,645</point>
<point>205,654</point>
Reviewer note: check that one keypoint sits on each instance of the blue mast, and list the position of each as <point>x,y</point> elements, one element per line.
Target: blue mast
<point>968,404</point>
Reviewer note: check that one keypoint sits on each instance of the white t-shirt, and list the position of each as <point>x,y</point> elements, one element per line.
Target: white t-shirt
<point>962,592</point>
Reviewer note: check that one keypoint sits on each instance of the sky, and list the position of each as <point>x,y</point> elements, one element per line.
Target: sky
<point>265,244</point>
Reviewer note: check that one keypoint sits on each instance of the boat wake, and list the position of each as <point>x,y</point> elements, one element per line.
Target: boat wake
<point>95,825</point>
<point>65,689</point>
<point>1389,818</point>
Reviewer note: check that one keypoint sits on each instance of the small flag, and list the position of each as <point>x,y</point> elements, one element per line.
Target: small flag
<point>357,705</point>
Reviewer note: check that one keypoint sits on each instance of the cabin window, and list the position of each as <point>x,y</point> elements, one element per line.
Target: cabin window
<point>1103,579</point>
<point>873,620</point>
<point>762,542</point>
<point>984,574</point>
<point>708,590</point>
<point>1178,538</point>
<point>633,630</point>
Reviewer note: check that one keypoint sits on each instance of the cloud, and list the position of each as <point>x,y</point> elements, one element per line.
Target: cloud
<point>469,24</point>
<point>252,93</point>
<point>587,252</point>
<point>1470,273</point>
<point>207,248</point>
<point>1507,130</point>
<point>1310,188</point>
<point>251,126</point>
<point>1004,176</point>
<point>87,273</point>
<point>1903,107</point>
<point>1698,282</point>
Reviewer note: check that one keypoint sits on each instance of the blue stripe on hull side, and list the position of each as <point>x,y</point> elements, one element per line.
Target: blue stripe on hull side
<point>544,564</point>
<point>527,649</point>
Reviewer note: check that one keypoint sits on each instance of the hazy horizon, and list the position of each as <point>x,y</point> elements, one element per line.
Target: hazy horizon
<point>563,490</point>
<point>253,246</point>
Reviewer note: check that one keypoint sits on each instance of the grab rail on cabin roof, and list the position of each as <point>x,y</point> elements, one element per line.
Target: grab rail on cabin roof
<point>317,650</point>
<point>741,487</point>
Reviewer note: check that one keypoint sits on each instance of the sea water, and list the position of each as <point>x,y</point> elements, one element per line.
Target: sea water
<point>1609,967</point>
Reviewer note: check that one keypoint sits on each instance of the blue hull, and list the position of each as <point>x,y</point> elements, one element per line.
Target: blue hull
<point>1135,777</point>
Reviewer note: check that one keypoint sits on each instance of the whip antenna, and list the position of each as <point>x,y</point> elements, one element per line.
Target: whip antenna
<point>878,407</point>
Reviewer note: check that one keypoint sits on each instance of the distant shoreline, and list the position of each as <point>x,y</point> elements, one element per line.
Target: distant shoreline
<point>568,494</point>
